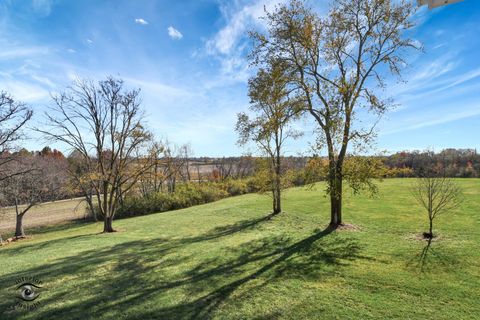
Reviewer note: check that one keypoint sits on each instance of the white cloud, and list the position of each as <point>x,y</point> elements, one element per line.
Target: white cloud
<point>141,21</point>
<point>157,88</point>
<point>43,7</point>
<point>20,52</point>
<point>436,68</point>
<point>25,91</point>
<point>174,33</point>
<point>460,80</point>
<point>89,41</point>
<point>71,50</point>
<point>435,119</point>
<point>417,90</point>
<point>238,22</point>
<point>230,43</point>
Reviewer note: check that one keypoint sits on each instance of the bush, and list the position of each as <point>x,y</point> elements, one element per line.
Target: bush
<point>186,195</point>
<point>252,184</point>
<point>236,187</point>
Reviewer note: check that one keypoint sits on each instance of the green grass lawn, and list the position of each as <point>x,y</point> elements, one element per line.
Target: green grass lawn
<point>224,260</point>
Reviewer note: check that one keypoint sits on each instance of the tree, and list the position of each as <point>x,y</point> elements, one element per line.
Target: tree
<point>185,152</point>
<point>13,117</point>
<point>437,195</point>
<point>43,178</point>
<point>102,123</point>
<point>224,168</point>
<point>173,164</point>
<point>79,173</point>
<point>153,179</point>
<point>167,163</point>
<point>274,108</point>
<point>338,64</point>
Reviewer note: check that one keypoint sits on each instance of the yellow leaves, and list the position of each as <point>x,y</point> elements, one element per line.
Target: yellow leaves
<point>343,88</point>
<point>307,31</point>
<point>316,170</point>
<point>90,176</point>
<point>360,171</point>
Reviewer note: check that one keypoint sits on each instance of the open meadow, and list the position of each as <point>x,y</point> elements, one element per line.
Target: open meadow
<point>225,260</point>
<point>45,214</point>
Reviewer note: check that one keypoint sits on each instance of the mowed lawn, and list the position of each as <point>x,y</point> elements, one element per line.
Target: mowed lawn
<point>224,260</point>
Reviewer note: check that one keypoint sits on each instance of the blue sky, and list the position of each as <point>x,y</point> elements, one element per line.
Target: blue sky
<point>188,57</point>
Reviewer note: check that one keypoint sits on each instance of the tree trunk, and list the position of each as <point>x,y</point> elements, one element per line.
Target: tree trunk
<point>278,206</point>
<point>274,202</point>
<point>336,203</point>
<point>430,229</point>
<point>107,224</point>
<point>19,232</point>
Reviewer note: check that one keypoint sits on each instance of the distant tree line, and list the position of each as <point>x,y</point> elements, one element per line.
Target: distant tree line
<point>454,163</point>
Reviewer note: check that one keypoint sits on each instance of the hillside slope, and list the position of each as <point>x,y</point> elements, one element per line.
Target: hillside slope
<point>224,260</point>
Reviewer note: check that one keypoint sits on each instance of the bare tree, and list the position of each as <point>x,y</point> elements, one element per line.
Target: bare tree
<point>337,64</point>
<point>245,167</point>
<point>173,164</point>
<point>79,172</point>
<point>197,166</point>
<point>224,168</point>
<point>43,178</point>
<point>168,164</point>
<point>437,195</point>
<point>274,108</point>
<point>153,179</point>
<point>185,152</point>
<point>103,124</point>
<point>13,117</point>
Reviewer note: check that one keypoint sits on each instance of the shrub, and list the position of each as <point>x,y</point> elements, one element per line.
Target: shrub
<point>252,184</point>
<point>185,196</point>
<point>236,187</point>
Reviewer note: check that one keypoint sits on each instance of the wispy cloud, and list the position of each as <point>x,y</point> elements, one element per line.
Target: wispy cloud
<point>417,90</point>
<point>435,68</point>
<point>141,21</point>
<point>430,119</point>
<point>25,91</point>
<point>459,80</point>
<point>157,88</point>
<point>21,52</point>
<point>239,20</point>
<point>228,46</point>
<point>43,7</point>
<point>174,33</point>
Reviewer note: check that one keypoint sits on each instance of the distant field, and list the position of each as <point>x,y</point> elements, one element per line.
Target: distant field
<point>224,260</point>
<point>45,214</point>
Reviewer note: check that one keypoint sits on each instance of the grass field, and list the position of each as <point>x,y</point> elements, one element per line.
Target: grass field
<point>43,215</point>
<point>224,260</point>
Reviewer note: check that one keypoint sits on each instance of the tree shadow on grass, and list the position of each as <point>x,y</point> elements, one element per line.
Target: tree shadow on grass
<point>227,230</point>
<point>41,229</point>
<point>172,279</point>
<point>221,231</point>
<point>432,258</point>
<point>61,226</point>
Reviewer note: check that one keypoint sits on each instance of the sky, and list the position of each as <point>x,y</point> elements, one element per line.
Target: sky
<point>189,60</point>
